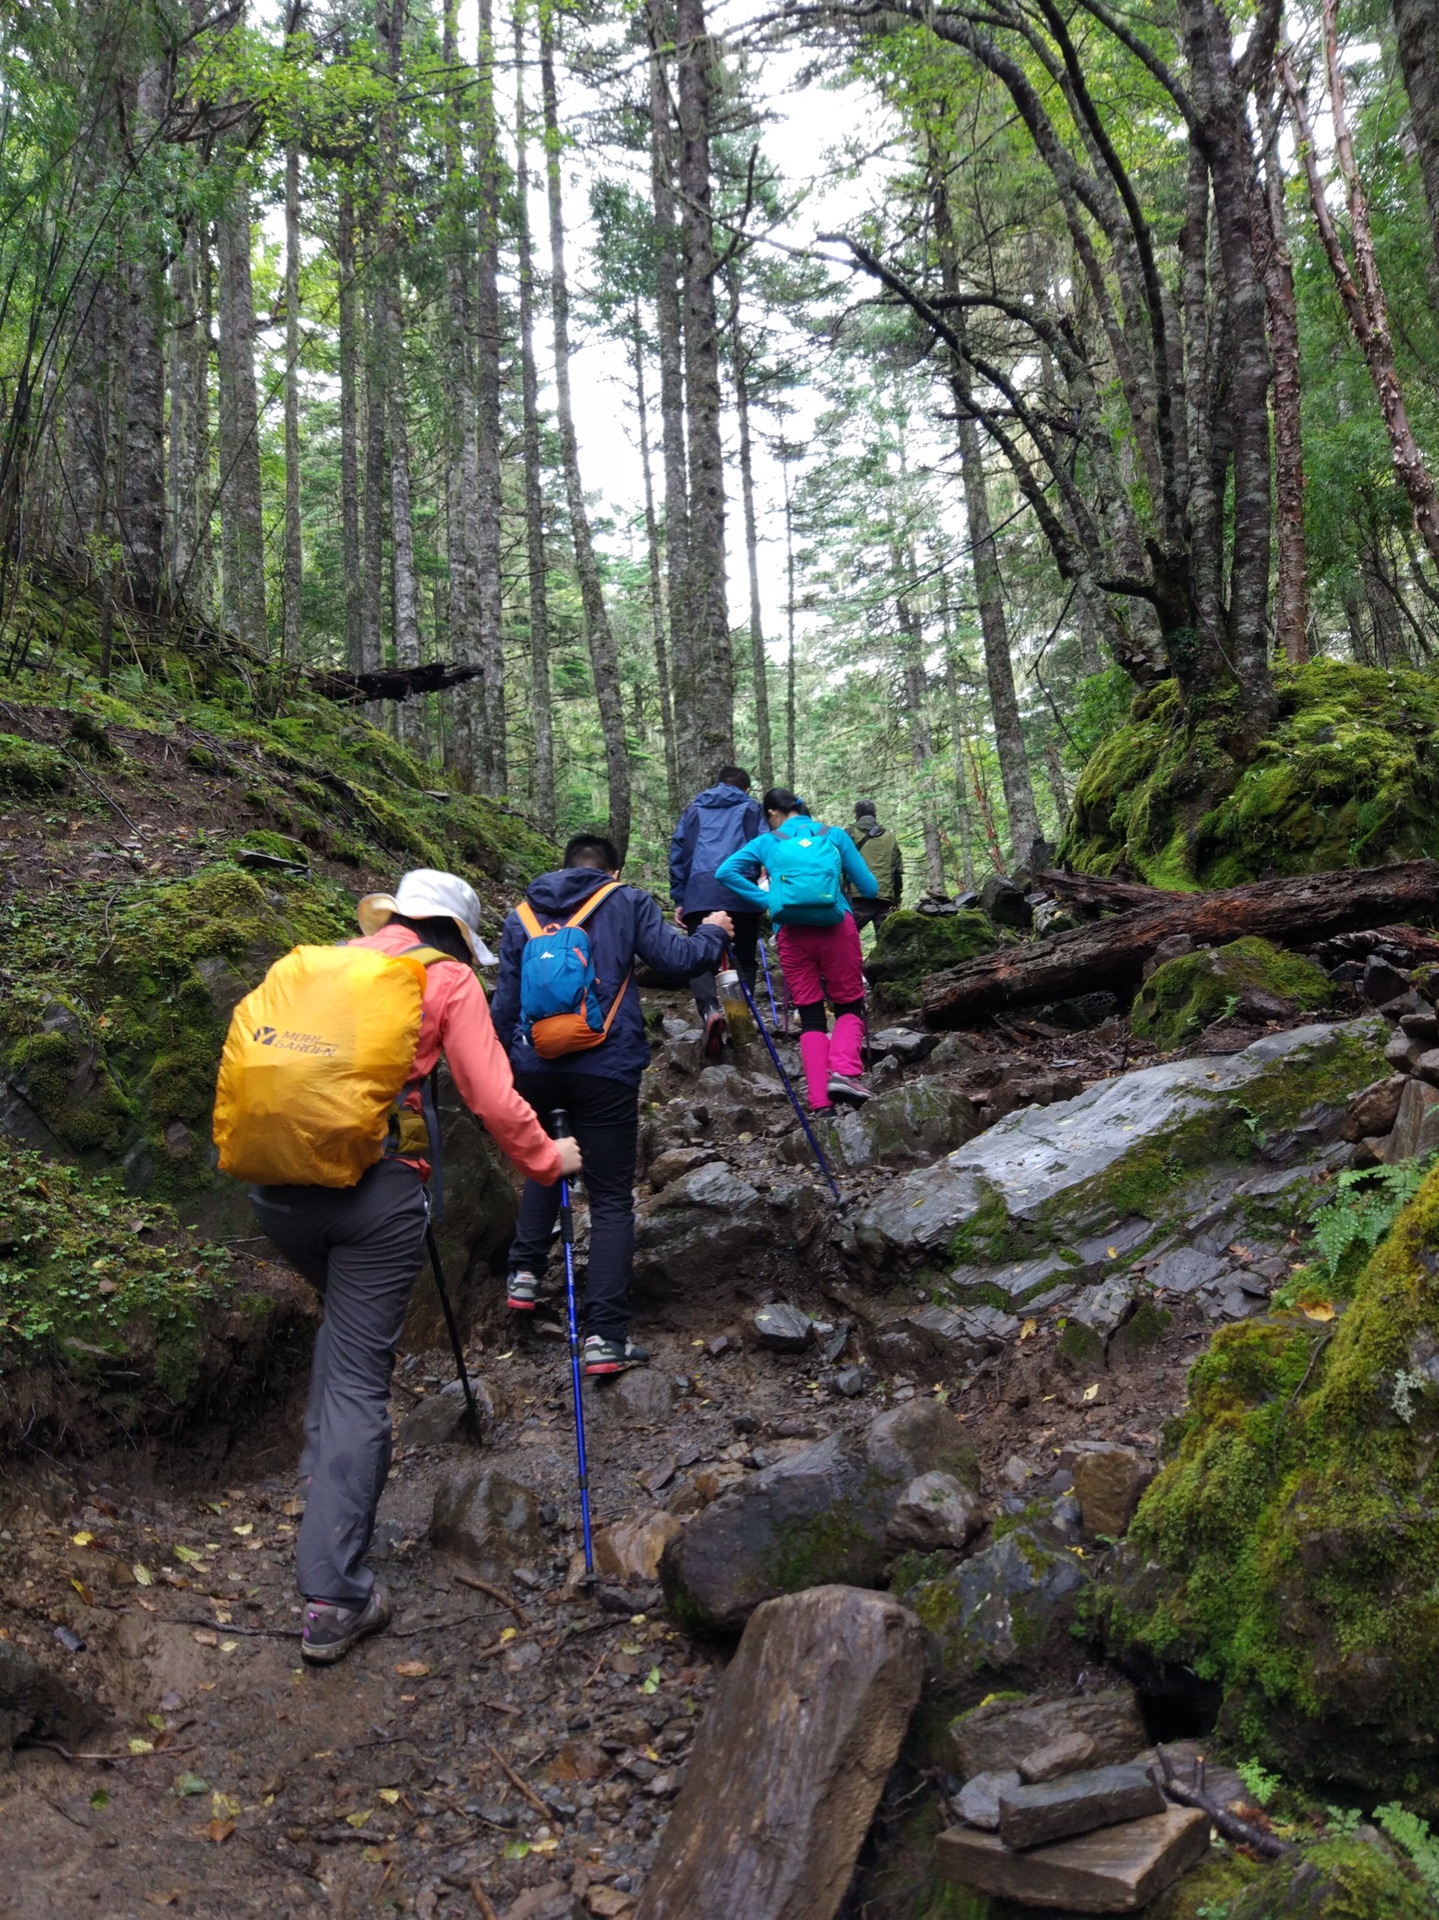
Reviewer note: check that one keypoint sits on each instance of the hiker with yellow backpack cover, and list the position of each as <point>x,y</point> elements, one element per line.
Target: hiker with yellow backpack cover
<point>568,1009</point>
<point>321,1106</point>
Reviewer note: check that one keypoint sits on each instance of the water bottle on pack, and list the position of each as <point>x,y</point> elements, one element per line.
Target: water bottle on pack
<point>738,1021</point>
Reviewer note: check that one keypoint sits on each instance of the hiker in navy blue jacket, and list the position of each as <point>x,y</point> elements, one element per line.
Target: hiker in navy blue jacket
<point>598,1088</point>
<point>715,824</point>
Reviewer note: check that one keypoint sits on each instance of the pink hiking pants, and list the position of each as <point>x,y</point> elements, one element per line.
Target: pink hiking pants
<point>820,963</point>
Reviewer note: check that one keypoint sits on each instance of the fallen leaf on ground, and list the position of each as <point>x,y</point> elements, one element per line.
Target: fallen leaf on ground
<point>81,1539</point>
<point>83,1591</point>
<point>191,1783</point>
<point>358,1819</point>
<point>412,1669</point>
<point>389,1795</point>
<point>203,1637</point>
<point>142,1746</point>
<point>1321,1310</point>
<point>245,1531</point>
<point>1029,1329</point>
<point>220,1830</point>
<point>143,1575</point>
<point>1091,1393</point>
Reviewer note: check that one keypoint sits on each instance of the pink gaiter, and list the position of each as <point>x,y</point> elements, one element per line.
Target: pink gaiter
<point>846,1044</point>
<point>814,1057</point>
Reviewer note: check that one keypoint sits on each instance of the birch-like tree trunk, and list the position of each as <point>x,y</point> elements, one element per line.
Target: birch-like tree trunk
<point>705,731</point>
<point>921,742</point>
<point>189,478</point>
<point>461,477</point>
<point>1416,26</point>
<point>1271,228</point>
<point>373,557</point>
<point>604,654</point>
<point>958,739</point>
<point>1364,303</point>
<point>537,559</point>
<point>294,557</point>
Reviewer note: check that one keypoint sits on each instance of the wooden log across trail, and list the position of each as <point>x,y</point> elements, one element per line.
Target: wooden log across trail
<point>1091,892</point>
<point>1110,954</point>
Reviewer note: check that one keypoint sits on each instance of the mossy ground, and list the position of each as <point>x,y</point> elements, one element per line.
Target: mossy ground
<point>911,946</point>
<point>114,1322</point>
<point>1346,776</point>
<point>1183,996</point>
<point>1290,1548</point>
<point>127,931</point>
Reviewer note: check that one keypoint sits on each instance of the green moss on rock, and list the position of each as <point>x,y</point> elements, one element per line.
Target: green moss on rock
<point>1183,996</point>
<point>32,770</point>
<point>1346,776</point>
<point>1290,1548</point>
<point>910,946</point>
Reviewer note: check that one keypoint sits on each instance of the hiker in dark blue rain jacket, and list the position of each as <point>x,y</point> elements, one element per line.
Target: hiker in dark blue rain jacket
<point>715,824</point>
<point>599,1088</point>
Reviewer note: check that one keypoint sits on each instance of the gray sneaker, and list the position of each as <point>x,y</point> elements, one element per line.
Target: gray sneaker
<point>843,1087</point>
<point>331,1630</point>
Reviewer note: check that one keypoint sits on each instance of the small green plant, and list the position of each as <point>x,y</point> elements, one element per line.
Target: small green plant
<point>1418,1840</point>
<point>1261,1784</point>
<point>1231,1003</point>
<point>1364,1205</point>
<point>1212,1910</point>
<point>1342,1821</point>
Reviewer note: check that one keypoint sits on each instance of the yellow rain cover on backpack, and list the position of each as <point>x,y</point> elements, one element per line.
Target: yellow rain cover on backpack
<point>314,1062</point>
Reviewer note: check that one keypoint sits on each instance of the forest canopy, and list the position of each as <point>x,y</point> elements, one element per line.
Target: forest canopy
<point>888,396</point>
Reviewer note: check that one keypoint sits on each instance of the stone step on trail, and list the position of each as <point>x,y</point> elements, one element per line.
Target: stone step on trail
<point>1113,1870</point>
<point>1047,1810</point>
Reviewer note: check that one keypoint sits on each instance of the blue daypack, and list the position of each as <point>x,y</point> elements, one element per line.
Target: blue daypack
<point>804,877</point>
<point>559,988</point>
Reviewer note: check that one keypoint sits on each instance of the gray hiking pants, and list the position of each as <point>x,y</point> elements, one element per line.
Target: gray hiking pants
<point>360,1248</point>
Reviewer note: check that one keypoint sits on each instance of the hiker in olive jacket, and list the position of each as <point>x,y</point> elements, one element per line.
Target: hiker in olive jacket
<point>879,849</point>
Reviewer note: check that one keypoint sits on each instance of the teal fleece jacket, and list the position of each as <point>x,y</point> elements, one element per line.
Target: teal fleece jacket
<point>738,873</point>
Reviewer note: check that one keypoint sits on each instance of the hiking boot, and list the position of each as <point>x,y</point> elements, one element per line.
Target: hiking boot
<point>842,1087</point>
<point>331,1630</point>
<point>611,1356</point>
<point>714,1035</point>
<point>522,1292</point>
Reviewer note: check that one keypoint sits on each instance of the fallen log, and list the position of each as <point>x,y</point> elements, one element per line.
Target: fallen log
<point>1111,953</point>
<point>389,683</point>
<point>1091,893</point>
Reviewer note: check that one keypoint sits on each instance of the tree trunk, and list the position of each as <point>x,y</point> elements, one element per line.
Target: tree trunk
<point>493,753</point>
<point>141,498</point>
<point>390,342</point>
<point>958,744</point>
<point>294,558</point>
<point>240,482</point>
<point>1416,25</point>
<point>1364,304</point>
<point>789,671</point>
<point>461,476</point>
<point>740,358</point>
<point>706,731</point>
<point>373,563</point>
<point>669,332</point>
<point>604,655</point>
<point>1054,767</point>
<point>998,665</point>
<point>1111,953</point>
<point>538,561</point>
<point>1291,606</point>
<point>349,354</point>
<point>189,565</point>
<point>657,598</point>
<point>921,744</point>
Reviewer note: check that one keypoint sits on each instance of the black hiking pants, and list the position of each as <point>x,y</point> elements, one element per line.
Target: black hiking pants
<point>360,1249</point>
<point>605,1118</point>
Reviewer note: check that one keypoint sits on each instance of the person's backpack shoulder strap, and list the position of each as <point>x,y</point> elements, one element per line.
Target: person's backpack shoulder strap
<point>597,898</point>
<point>528,919</point>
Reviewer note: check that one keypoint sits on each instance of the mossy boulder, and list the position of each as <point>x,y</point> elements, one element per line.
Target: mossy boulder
<point>1346,776</point>
<point>1183,996</point>
<point>31,770</point>
<point>115,1323</point>
<point>1289,1549</point>
<point>911,946</point>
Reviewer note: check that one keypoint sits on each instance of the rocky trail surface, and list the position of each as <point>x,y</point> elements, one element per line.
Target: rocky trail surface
<point>954,1386</point>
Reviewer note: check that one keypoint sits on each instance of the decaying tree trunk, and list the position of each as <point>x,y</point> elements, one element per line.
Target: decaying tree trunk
<point>1111,953</point>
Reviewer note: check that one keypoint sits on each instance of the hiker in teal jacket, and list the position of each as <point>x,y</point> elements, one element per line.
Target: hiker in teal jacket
<point>809,866</point>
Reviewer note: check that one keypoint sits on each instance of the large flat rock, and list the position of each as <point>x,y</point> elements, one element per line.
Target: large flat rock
<point>1049,1164</point>
<point>815,1518</point>
<point>1003,1733</point>
<point>789,1761</point>
<point>1115,1870</point>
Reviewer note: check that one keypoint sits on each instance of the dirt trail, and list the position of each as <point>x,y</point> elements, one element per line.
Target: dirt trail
<point>481,1746</point>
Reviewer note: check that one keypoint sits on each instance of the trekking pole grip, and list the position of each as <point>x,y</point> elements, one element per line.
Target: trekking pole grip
<point>560,1130</point>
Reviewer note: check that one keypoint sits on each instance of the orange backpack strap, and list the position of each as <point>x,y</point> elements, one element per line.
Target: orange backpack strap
<point>597,898</point>
<point>528,919</point>
<point>615,1005</point>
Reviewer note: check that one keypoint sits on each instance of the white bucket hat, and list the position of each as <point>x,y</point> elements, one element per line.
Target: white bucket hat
<point>426,895</point>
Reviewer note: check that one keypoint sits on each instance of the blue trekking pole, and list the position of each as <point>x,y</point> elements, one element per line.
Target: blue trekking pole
<point>561,1128</point>
<point>815,1147</point>
<point>769,988</point>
